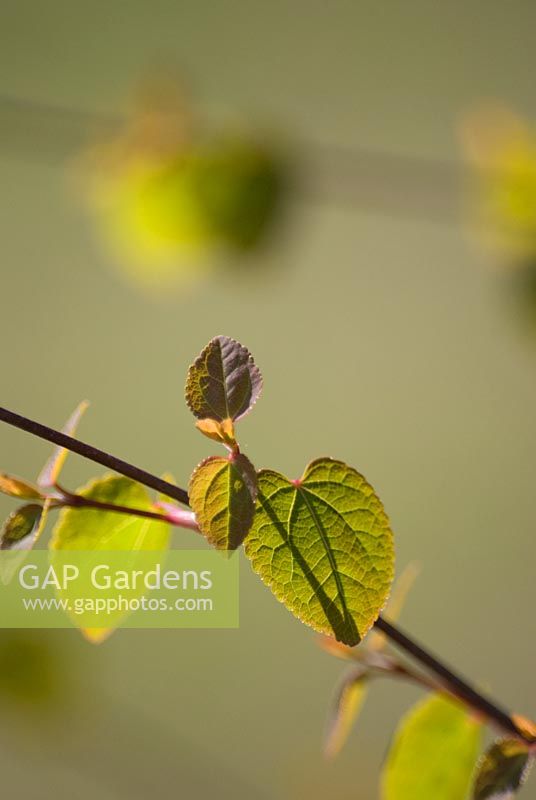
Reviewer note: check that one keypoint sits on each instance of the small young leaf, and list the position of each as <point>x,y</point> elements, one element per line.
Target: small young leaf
<point>330,534</point>
<point>222,493</point>
<point>348,702</point>
<point>222,432</point>
<point>20,528</point>
<point>50,472</point>
<point>526,726</point>
<point>433,754</point>
<point>91,529</point>
<point>20,532</point>
<point>16,487</point>
<point>502,771</point>
<point>224,382</point>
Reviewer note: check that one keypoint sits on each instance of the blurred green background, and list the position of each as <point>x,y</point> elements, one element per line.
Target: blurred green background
<point>386,340</point>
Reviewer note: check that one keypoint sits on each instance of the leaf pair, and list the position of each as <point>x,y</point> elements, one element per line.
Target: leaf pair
<point>321,543</point>
<point>222,385</point>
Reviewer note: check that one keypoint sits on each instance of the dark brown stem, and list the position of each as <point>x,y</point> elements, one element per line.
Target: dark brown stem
<point>93,454</point>
<point>452,682</point>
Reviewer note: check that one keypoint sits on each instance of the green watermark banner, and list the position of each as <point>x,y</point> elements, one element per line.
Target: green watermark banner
<point>110,589</point>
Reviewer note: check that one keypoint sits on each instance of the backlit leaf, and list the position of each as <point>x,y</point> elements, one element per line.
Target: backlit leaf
<point>433,754</point>
<point>222,432</point>
<point>348,702</point>
<point>20,532</point>
<point>224,382</point>
<point>324,546</point>
<point>91,529</point>
<point>222,493</point>
<point>16,487</point>
<point>21,527</point>
<point>51,471</point>
<point>526,726</point>
<point>502,771</point>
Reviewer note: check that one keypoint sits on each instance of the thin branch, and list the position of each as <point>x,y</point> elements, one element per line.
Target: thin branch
<point>94,454</point>
<point>185,519</point>
<point>454,683</point>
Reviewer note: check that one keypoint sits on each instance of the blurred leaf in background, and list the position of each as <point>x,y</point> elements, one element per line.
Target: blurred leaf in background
<point>501,150</point>
<point>434,752</point>
<point>173,197</point>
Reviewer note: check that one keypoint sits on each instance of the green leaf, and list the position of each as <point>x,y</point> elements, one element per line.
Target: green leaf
<point>51,471</point>
<point>91,529</point>
<point>348,702</point>
<point>21,528</point>
<point>222,494</point>
<point>433,754</point>
<point>16,487</point>
<point>224,382</point>
<point>502,771</point>
<point>324,547</point>
<point>20,532</point>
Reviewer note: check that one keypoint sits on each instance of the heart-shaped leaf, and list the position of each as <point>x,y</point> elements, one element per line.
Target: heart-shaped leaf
<point>224,382</point>
<point>324,546</point>
<point>222,493</point>
<point>502,771</point>
<point>433,754</point>
<point>90,529</point>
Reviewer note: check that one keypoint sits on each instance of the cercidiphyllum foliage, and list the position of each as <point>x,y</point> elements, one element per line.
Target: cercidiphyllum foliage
<point>502,771</point>
<point>324,547</point>
<point>75,530</point>
<point>222,494</point>
<point>223,383</point>
<point>21,527</point>
<point>434,752</point>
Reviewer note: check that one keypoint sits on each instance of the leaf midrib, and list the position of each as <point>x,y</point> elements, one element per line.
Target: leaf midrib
<point>340,589</point>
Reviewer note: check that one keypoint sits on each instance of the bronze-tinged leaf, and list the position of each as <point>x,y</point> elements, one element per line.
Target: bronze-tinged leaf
<point>51,471</point>
<point>224,382</point>
<point>222,493</point>
<point>348,702</point>
<point>16,487</point>
<point>502,771</point>
<point>324,547</point>
<point>222,432</point>
<point>526,726</point>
